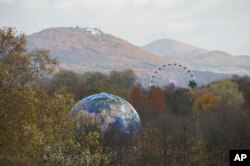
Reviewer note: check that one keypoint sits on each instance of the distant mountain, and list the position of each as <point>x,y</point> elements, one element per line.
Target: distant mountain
<point>205,77</point>
<point>90,49</point>
<point>199,59</point>
<point>245,57</point>
<point>173,48</point>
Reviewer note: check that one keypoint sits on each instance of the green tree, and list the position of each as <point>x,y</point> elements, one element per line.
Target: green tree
<point>72,81</point>
<point>123,79</point>
<point>227,93</point>
<point>192,84</point>
<point>244,87</point>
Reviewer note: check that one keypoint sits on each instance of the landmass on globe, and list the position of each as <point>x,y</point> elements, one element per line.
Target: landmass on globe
<point>105,111</point>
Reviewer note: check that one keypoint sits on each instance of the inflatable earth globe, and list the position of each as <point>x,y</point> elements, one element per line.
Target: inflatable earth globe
<point>105,111</point>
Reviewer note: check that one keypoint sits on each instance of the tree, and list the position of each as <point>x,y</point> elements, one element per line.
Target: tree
<point>244,87</point>
<point>41,63</point>
<point>192,84</point>
<point>227,93</point>
<point>95,82</point>
<point>123,80</point>
<point>204,101</point>
<point>68,79</point>
<point>17,108</point>
<point>14,65</point>
<point>156,99</point>
<point>91,77</point>
<point>136,97</point>
<point>20,136</point>
<point>18,67</point>
<point>178,101</point>
<point>60,135</point>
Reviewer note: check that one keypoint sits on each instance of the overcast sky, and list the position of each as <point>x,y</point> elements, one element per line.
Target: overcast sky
<point>211,24</point>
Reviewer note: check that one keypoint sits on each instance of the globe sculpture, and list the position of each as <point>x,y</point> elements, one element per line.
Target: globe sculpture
<point>106,111</point>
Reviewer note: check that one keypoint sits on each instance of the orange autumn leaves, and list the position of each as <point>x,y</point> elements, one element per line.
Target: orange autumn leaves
<point>136,97</point>
<point>204,101</point>
<point>154,98</point>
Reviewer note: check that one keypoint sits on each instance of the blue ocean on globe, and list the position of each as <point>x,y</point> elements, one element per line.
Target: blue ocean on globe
<point>105,111</point>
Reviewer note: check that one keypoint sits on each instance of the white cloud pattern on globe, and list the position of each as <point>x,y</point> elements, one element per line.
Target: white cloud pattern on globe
<point>106,110</point>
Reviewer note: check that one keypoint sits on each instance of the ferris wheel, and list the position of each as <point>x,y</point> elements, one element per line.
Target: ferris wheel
<point>172,74</point>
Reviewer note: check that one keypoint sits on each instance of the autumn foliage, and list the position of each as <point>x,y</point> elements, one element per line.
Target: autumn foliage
<point>205,101</point>
<point>35,128</point>
<point>156,99</point>
<point>136,97</point>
